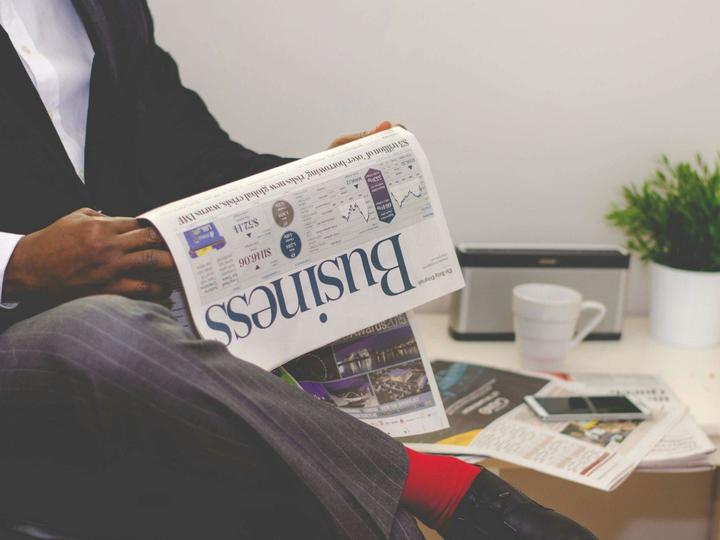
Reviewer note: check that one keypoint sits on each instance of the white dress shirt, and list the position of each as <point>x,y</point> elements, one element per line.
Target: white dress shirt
<point>54,47</point>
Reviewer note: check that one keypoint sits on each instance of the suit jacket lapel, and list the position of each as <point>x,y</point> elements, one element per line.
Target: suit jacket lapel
<point>96,23</point>
<point>103,89</point>
<point>21,108</point>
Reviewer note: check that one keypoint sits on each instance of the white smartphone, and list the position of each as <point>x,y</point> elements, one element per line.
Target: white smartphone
<point>586,408</point>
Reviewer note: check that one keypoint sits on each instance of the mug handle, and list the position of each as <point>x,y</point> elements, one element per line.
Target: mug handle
<point>592,323</point>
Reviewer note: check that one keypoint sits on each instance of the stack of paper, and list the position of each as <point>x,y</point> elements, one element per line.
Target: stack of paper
<point>488,417</point>
<point>684,448</point>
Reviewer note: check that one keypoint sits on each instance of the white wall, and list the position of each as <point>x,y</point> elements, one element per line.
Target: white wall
<point>533,112</point>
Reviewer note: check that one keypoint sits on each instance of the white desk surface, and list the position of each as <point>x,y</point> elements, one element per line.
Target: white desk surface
<point>694,374</point>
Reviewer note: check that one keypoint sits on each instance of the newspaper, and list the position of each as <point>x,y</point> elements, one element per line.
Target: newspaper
<point>685,447</point>
<point>597,454</point>
<point>286,261</point>
<point>474,396</point>
<point>379,375</point>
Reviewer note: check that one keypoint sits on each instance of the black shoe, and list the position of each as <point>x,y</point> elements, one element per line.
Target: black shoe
<point>492,509</point>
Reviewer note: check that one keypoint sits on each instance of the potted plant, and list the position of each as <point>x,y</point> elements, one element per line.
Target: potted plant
<point>673,221</point>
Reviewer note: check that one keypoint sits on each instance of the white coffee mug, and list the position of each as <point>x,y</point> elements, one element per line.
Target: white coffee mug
<point>545,320</point>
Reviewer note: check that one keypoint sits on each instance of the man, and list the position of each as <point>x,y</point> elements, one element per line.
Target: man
<point>116,423</point>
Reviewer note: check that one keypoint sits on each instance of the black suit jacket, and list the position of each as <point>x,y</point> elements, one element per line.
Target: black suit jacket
<point>149,139</point>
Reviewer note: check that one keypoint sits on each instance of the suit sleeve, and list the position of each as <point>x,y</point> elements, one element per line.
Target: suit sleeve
<point>179,144</point>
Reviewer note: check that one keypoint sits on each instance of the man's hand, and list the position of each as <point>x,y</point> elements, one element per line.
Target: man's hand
<point>382,126</point>
<point>87,253</point>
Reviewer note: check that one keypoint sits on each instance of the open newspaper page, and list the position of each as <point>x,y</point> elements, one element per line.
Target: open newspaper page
<point>474,396</point>
<point>597,454</point>
<point>379,375</point>
<point>684,447</point>
<point>291,259</point>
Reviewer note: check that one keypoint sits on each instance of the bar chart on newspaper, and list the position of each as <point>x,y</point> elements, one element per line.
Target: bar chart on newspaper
<point>291,259</point>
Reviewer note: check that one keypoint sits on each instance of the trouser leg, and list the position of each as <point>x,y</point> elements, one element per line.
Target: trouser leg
<point>110,403</point>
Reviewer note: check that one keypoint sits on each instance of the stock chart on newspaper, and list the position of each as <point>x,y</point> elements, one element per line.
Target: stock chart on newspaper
<point>391,196</point>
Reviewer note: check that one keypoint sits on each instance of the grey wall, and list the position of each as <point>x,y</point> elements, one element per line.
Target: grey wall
<point>533,112</point>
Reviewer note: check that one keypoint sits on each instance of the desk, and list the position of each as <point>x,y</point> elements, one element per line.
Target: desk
<point>656,506</point>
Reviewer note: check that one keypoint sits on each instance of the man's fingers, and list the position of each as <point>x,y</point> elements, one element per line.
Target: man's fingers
<point>122,224</point>
<point>348,139</point>
<point>136,288</point>
<point>89,212</point>
<point>137,239</point>
<point>147,259</point>
<point>382,126</point>
<point>119,224</point>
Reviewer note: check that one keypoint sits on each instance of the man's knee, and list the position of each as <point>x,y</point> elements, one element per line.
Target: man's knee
<point>94,322</point>
<point>107,313</point>
<point>61,350</point>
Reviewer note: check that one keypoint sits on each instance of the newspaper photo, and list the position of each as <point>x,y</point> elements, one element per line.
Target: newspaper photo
<point>291,259</point>
<point>378,375</point>
<point>597,454</point>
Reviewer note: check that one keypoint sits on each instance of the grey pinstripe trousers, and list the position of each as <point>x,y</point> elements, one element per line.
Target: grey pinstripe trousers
<point>116,423</point>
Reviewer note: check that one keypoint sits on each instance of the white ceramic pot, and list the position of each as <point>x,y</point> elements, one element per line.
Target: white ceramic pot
<point>684,306</point>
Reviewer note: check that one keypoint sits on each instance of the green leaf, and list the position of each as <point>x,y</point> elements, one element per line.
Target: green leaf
<point>673,217</point>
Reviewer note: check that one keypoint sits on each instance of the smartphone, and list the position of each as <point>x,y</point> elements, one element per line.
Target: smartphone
<point>585,408</point>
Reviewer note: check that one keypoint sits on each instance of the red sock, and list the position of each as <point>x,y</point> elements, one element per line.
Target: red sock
<point>435,485</point>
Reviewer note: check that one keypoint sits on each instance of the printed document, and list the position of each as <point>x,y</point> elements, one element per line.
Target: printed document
<point>379,375</point>
<point>284,262</point>
<point>487,417</point>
